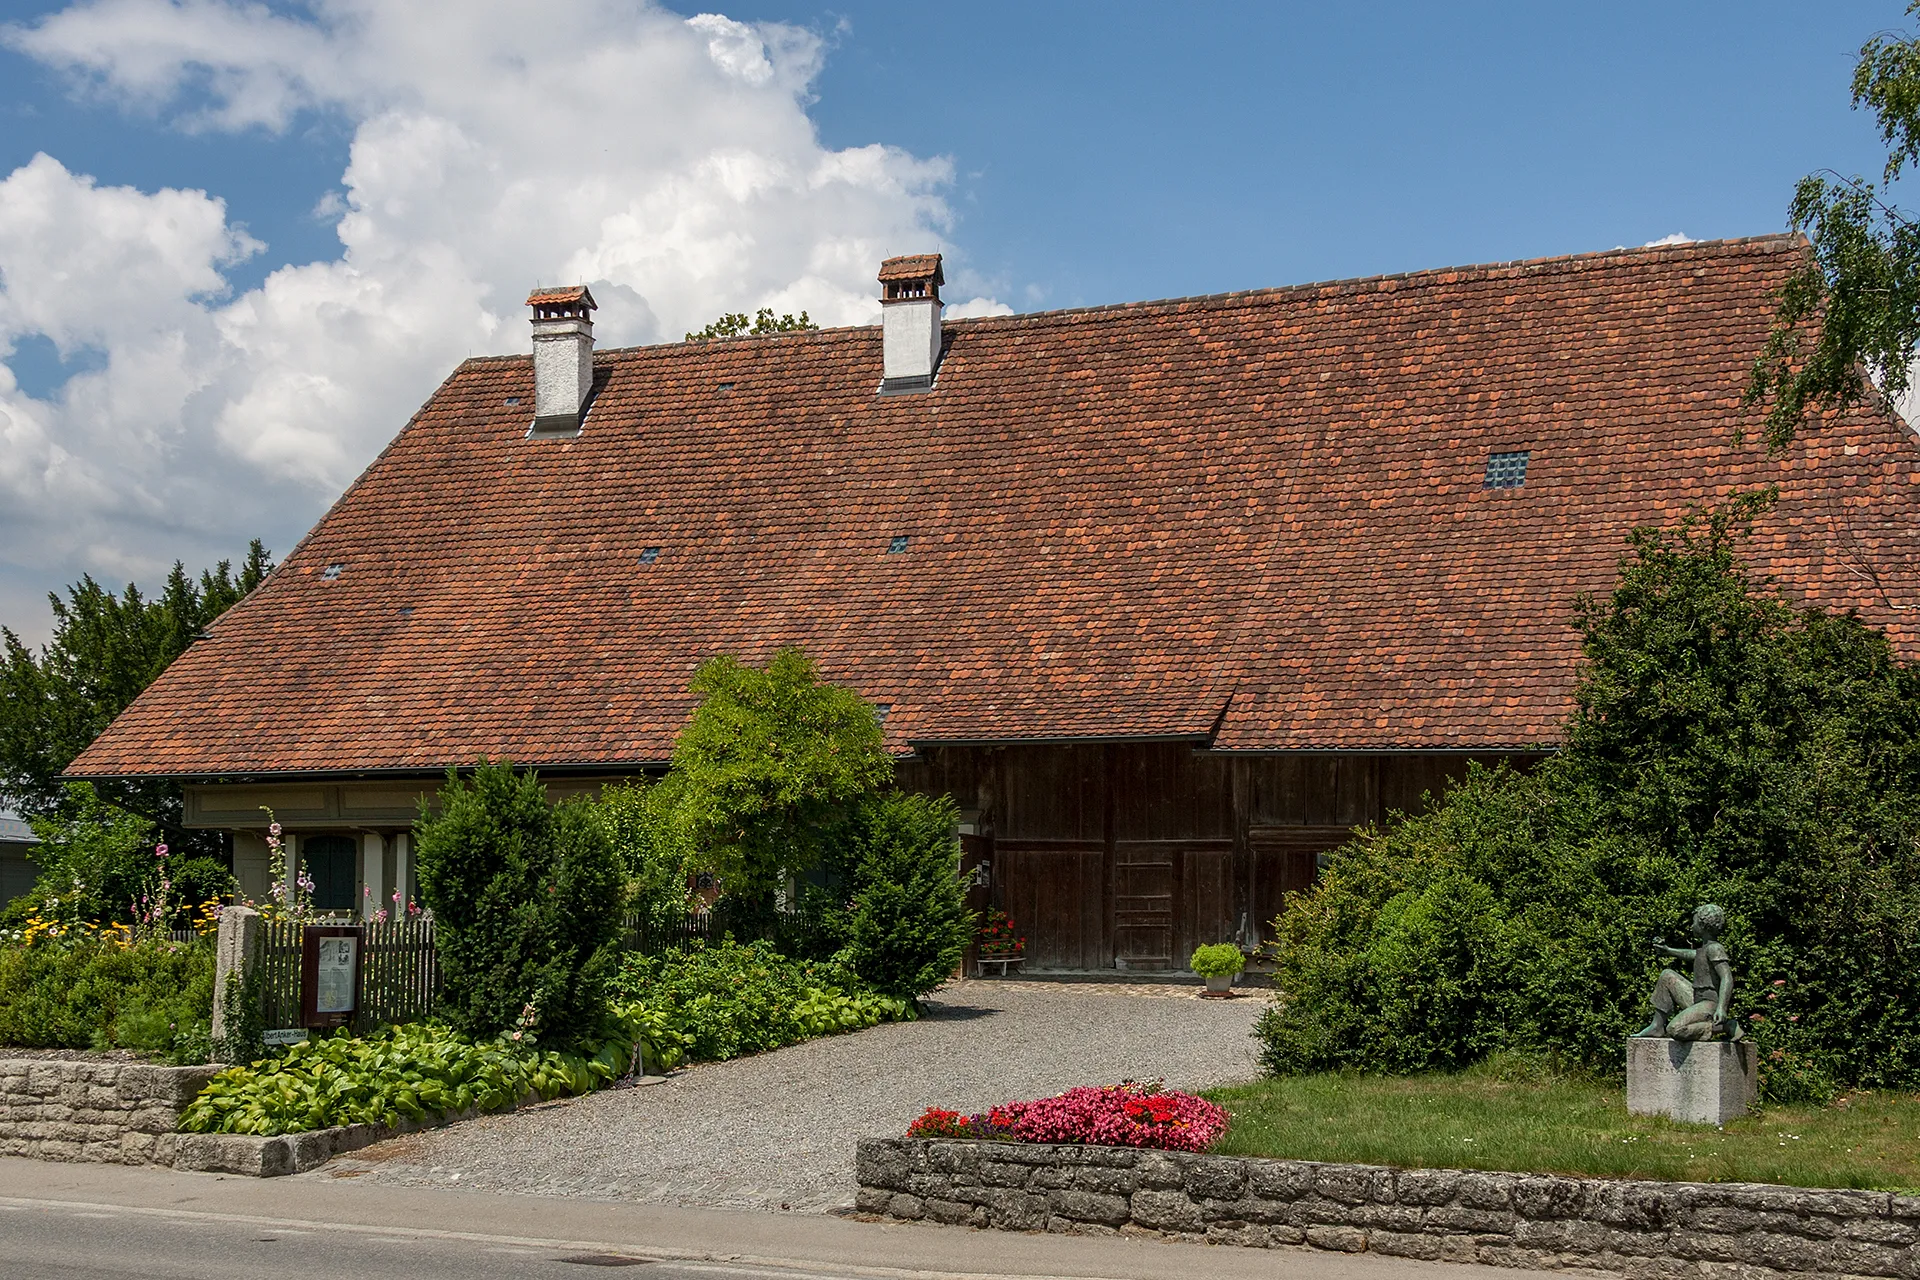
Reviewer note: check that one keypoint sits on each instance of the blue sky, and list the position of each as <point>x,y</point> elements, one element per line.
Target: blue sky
<point>196,390</point>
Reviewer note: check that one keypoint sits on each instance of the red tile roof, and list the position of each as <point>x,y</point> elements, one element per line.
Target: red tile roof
<point>915,267</point>
<point>1258,515</point>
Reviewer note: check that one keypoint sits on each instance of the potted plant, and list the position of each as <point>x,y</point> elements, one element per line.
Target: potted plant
<point>1219,965</point>
<point>997,944</point>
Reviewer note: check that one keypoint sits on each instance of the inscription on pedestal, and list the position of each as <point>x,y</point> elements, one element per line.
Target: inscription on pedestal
<point>1698,1081</point>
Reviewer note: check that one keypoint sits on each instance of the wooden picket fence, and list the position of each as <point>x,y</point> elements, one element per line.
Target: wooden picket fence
<point>400,970</point>
<point>638,934</point>
<point>399,973</point>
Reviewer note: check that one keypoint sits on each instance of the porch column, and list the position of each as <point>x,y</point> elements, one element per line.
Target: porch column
<point>373,858</point>
<point>400,870</point>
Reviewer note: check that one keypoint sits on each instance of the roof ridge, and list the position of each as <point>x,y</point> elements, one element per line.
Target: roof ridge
<point>1774,242</point>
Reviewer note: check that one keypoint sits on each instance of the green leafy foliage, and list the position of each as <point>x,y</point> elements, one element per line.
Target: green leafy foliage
<point>735,325</point>
<point>526,898</point>
<point>1725,747</point>
<point>905,923</point>
<point>419,1072</point>
<point>639,818</point>
<point>96,860</point>
<point>156,997</point>
<point>105,650</point>
<point>768,764</point>
<point>1218,960</point>
<point>1853,308</point>
<point>734,998</point>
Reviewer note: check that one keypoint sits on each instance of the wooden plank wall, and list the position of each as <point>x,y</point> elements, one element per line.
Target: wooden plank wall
<point>1132,854</point>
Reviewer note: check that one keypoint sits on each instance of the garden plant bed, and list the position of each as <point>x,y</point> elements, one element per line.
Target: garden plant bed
<point>1477,1120</point>
<point>1503,1219</point>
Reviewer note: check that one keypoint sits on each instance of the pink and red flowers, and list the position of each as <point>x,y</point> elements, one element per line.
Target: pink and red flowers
<point>1117,1115</point>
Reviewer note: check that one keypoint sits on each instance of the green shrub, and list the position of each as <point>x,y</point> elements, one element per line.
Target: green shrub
<point>1220,960</point>
<point>905,924</point>
<point>93,863</point>
<point>1725,747</point>
<point>734,999</point>
<point>526,899</point>
<point>156,997</point>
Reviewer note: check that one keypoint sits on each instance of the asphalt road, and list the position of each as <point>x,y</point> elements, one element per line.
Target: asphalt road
<point>104,1222</point>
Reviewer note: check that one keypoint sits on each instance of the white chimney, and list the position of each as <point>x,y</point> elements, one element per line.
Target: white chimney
<point>910,322</point>
<point>562,358</point>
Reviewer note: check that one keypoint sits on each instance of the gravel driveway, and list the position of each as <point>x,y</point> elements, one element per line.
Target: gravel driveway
<point>777,1131</point>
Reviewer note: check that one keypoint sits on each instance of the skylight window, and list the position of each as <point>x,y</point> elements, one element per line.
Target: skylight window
<point>898,545</point>
<point>513,399</point>
<point>1507,470</point>
<point>333,571</point>
<point>649,554</point>
<point>725,386</point>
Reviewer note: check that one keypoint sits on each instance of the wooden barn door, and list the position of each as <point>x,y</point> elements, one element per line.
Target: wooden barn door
<point>1050,852</point>
<point>1146,883</point>
<point>1055,897</point>
<point>1206,898</point>
<point>1285,859</point>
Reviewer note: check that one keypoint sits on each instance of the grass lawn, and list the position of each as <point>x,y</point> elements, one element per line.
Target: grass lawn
<point>1486,1119</point>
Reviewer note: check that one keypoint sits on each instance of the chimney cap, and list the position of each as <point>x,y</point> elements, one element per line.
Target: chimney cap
<point>563,301</point>
<point>916,266</point>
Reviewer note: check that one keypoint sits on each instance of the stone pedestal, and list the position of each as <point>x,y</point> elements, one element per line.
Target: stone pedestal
<point>1698,1081</point>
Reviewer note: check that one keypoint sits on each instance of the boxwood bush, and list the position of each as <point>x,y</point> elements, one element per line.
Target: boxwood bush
<point>1725,746</point>
<point>526,899</point>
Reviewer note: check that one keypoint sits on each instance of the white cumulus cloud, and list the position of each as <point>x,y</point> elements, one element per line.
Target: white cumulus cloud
<point>667,161</point>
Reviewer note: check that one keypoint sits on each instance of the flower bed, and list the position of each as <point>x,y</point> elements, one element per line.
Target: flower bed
<point>1116,1115</point>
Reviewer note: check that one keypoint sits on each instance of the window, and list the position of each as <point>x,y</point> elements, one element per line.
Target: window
<point>332,571</point>
<point>649,554</point>
<point>898,545</point>
<point>332,862</point>
<point>1507,470</point>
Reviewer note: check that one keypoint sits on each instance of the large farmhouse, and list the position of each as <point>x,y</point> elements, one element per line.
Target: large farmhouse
<point>1168,595</point>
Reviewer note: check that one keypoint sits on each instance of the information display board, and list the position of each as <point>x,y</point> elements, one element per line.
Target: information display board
<point>329,974</point>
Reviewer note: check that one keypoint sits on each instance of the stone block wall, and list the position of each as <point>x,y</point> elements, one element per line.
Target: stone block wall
<point>88,1109</point>
<point>1507,1219</point>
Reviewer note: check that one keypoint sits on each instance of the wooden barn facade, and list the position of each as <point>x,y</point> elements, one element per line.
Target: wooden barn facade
<point>1169,596</point>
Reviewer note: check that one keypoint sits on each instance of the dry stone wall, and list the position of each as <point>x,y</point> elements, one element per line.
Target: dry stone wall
<point>1506,1219</point>
<point>93,1110</point>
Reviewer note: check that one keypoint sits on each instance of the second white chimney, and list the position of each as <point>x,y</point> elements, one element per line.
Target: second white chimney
<point>910,322</point>
<point>562,358</point>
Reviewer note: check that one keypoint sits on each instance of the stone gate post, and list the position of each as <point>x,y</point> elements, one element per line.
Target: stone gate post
<point>236,950</point>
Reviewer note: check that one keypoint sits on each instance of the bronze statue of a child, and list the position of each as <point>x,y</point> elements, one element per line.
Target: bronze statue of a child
<point>1696,1010</point>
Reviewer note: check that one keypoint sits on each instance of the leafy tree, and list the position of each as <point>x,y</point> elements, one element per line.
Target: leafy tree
<point>1725,746</point>
<point>526,898</point>
<point>105,650</point>
<point>639,817</point>
<point>767,766</point>
<point>1849,318</point>
<point>735,325</point>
